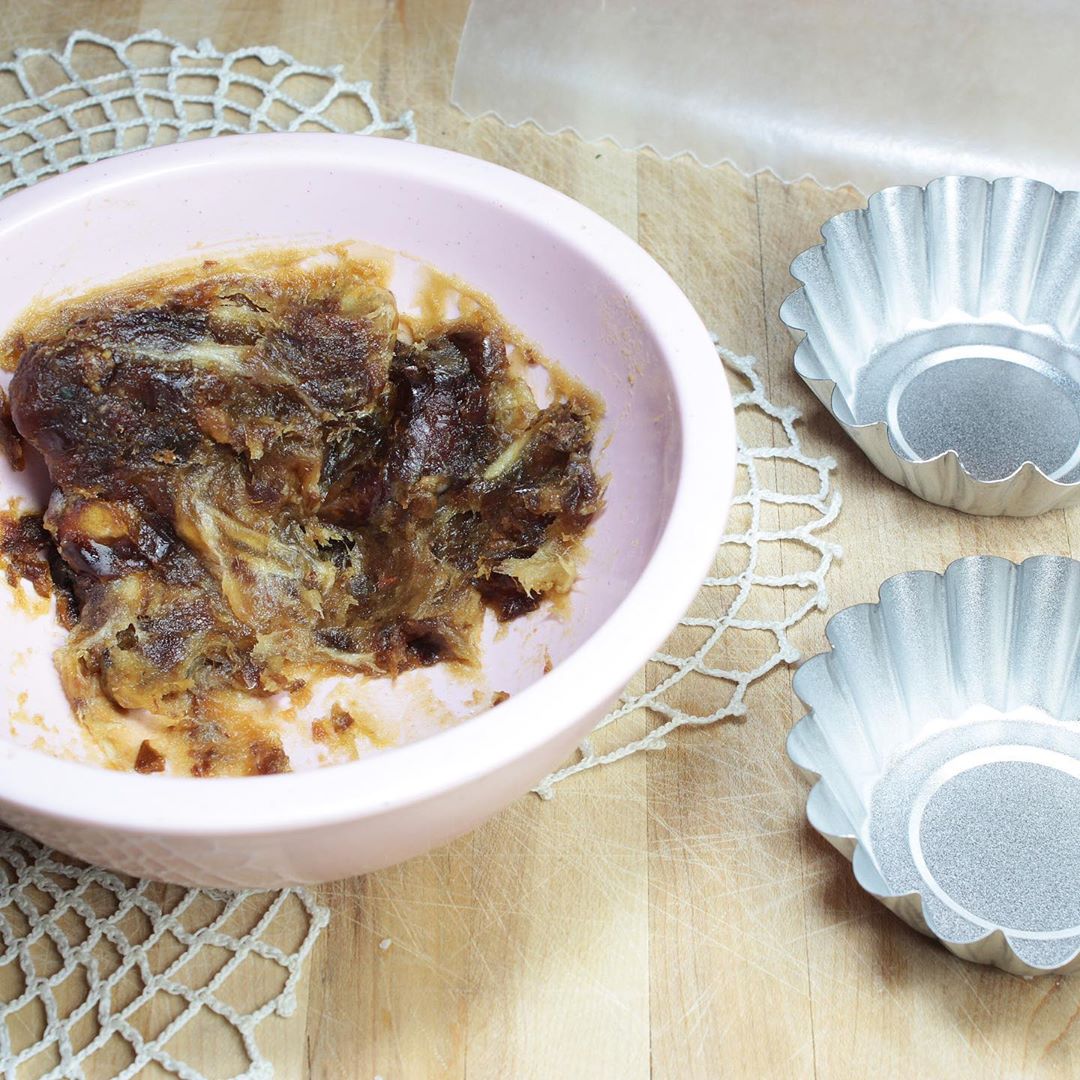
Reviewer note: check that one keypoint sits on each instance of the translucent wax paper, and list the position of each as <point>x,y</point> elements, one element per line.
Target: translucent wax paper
<point>870,94</point>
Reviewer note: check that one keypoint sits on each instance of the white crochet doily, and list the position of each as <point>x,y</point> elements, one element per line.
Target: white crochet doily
<point>84,950</point>
<point>94,948</point>
<point>97,97</point>
<point>710,632</point>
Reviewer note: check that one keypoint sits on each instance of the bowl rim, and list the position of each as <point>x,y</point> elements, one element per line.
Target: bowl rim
<point>583,683</point>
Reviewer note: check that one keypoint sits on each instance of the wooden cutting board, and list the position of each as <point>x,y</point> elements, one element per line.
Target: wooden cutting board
<point>669,916</point>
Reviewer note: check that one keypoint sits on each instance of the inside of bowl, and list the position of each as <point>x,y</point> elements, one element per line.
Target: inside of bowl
<point>565,297</point>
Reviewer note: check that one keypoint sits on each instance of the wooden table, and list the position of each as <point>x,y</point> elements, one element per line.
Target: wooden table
<point>671,915</point>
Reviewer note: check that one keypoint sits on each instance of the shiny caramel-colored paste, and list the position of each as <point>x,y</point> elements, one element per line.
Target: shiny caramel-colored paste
<point>263,474</point>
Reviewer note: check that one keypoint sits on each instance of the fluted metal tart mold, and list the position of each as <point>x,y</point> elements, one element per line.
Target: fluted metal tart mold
<point>943,734</point>
<point>942,331</point>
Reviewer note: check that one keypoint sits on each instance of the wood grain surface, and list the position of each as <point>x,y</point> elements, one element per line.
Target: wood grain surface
<point>669,916</point>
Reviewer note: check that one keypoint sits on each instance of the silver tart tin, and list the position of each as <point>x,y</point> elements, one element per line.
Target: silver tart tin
<point>942,330</point>
<point>944,738</point>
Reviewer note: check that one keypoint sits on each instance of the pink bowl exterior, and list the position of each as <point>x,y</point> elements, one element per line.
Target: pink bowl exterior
<point>321,852</point>
<point>586,294</point>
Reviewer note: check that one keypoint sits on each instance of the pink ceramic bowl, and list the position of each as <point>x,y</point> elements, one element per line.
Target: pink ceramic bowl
<point>587,295</point>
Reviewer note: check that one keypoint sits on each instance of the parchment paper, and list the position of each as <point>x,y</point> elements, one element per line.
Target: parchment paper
<point>871,93</point>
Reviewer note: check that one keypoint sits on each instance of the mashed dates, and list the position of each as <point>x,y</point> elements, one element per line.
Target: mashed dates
<point>263,474</point>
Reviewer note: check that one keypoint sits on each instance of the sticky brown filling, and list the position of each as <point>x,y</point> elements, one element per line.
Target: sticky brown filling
<point>261,475</point>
